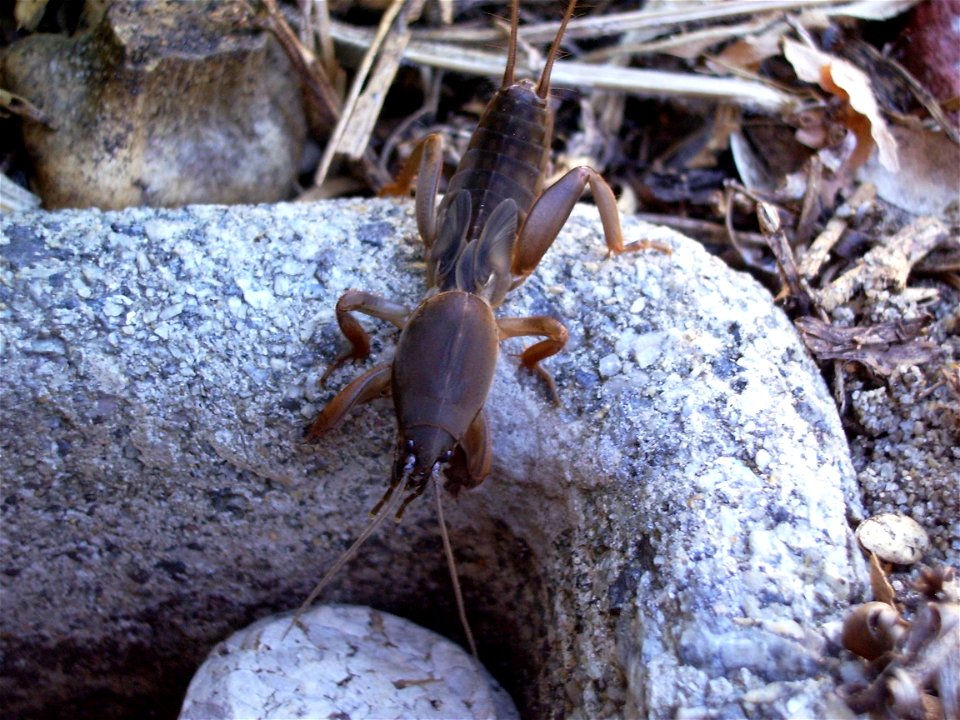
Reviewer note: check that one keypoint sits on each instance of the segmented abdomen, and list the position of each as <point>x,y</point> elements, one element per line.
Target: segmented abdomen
<point>507,156</point>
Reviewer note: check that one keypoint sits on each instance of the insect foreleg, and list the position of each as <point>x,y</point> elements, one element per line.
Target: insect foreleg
<point>369,304</point>
<point>471,461</point>
<point>372,384</point>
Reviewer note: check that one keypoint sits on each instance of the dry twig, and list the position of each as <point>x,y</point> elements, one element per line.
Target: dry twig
<point>882,348</point>
<point>817,253</point>
<point>887,265</point>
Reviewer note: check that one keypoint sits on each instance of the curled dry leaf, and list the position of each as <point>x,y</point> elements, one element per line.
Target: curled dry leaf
<point>860,114</point>
<point>883,347</point>
<point>914,665</point>
<point>871,630</point>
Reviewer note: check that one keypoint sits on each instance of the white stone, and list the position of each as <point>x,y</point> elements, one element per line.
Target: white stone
<point>628,517</point>
<point>342,661</point>
<point>609,365</point>
<point>893,537</point>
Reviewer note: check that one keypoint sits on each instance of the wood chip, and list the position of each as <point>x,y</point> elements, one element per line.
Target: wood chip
<point>887,265</point>
<point>818,251</point>
<point>362,107</point>
<point>852,86</point>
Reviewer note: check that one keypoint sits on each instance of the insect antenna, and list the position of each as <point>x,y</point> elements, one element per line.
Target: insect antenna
<point>512,50</point>
<point>385,511</point>
<point>543,87</point>
<point>452,566</point>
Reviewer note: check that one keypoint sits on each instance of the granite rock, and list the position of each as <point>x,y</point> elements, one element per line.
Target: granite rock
<point>668,542</point>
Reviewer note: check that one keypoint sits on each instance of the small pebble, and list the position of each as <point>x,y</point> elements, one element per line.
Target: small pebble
<point>893,537</point>
<point>113,308</point>
<point>762,459</point>
<point>648,347</point>
<point>609,365</point>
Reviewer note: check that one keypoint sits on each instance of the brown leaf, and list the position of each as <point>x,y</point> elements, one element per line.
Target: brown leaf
<point>851,85</point>
<point>928,177</point>
<point>882,589</point>
<point>748,53</point>
<point>882,348</point>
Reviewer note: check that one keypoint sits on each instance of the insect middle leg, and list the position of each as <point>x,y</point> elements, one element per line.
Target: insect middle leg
<point>553,207</point>
<point>555,338</point>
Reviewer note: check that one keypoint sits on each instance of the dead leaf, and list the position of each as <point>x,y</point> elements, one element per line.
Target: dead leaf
<point>748,52</point>
<point>875,9</point>
<point>851,85</point>
<point>929,176</point>
<point>882,348</point>
<point>766,155</point>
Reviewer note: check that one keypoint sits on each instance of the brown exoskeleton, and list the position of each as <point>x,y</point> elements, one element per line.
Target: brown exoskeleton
<point>488,234</point>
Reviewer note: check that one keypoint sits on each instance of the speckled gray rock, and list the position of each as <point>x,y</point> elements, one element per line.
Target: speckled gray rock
<point>342,661</point>
<point>667,542</point>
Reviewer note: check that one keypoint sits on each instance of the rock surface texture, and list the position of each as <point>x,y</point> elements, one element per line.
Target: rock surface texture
<point>668,542</point>
<point>161,103</point>
<point>342,661</point>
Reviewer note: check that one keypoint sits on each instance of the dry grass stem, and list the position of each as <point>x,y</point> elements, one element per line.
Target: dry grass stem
<point>662,21</point>
<point>362,107</point>
<point>319,92</point>
<point>582,75</point>
<point>322,31</point>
